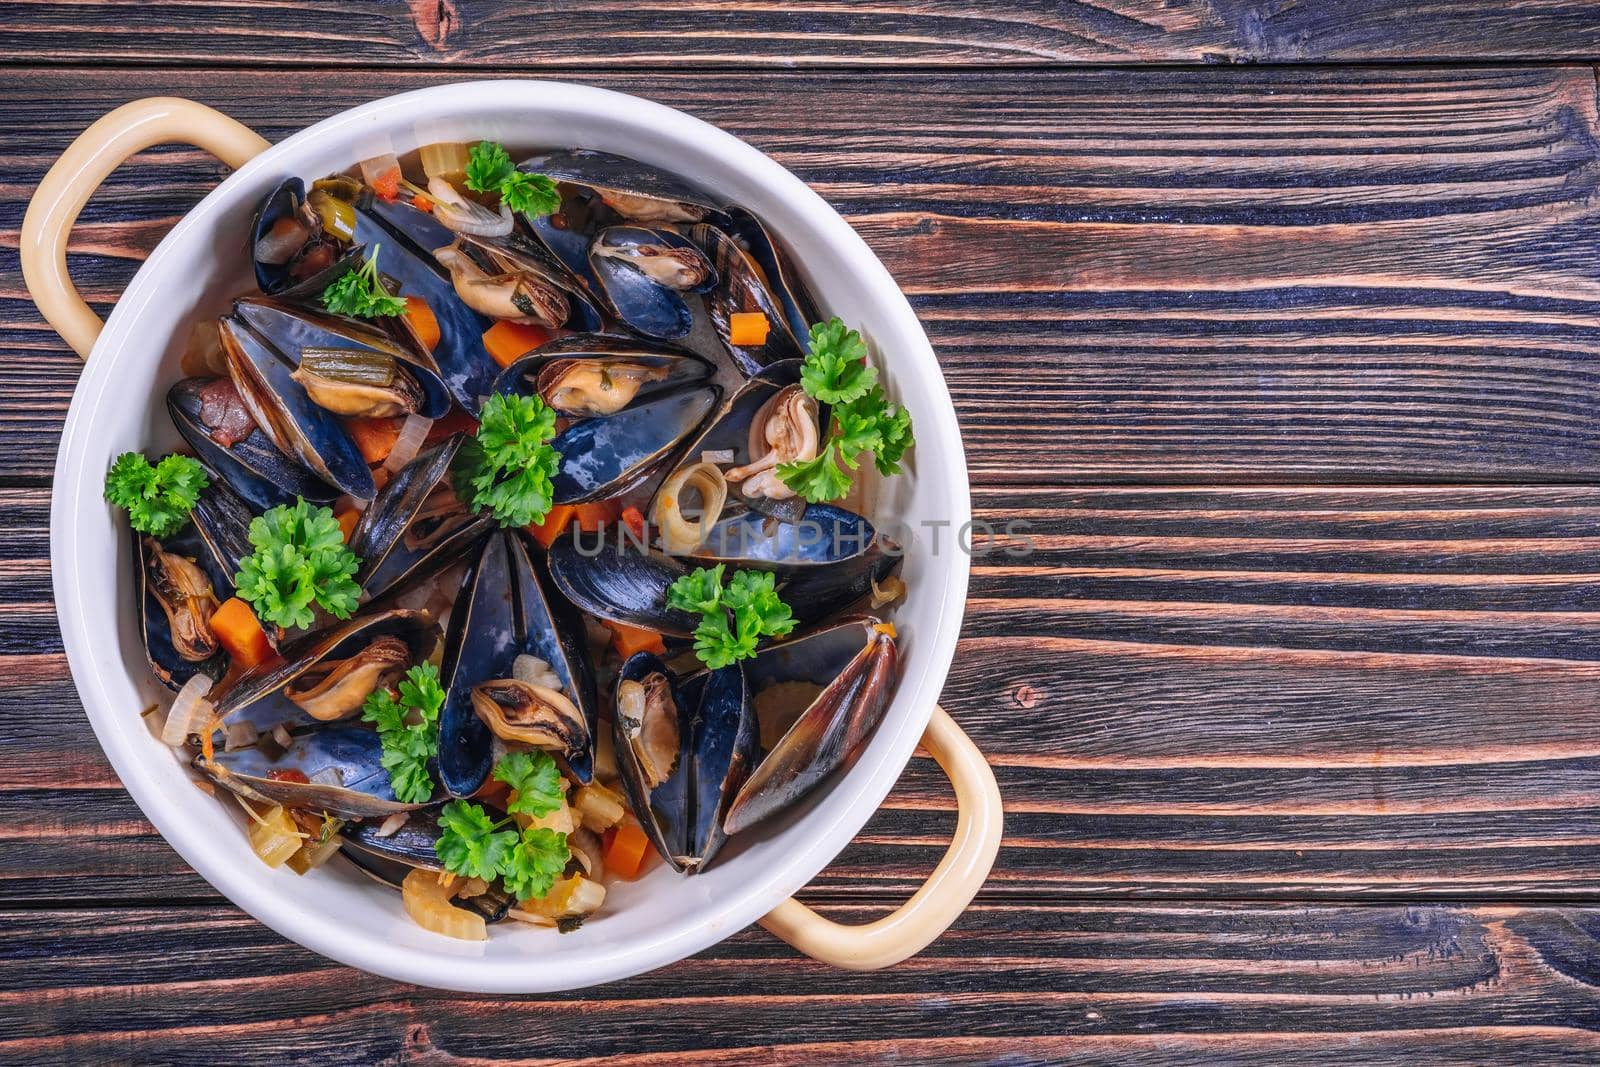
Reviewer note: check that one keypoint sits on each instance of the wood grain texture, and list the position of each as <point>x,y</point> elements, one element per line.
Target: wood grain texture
<point>467,34</point>
<point>1008,984</point>
<point>1229,275</point>
<point>1245,693</point>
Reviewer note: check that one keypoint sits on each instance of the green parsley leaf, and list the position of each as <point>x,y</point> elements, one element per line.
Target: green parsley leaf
<point>157,498</point>
<point>470,843</point>
<point>530,194</point>
<point>818,480</point>
<point>756,605</point>
<point>835,369</point>
<point>534,778</point>
<point>488,164</point>
<point>535,863</point>
<point>300,559</point>
<point>507,468</point>
<point>360,293</point>
<point>894,427</point>
<point>408,729</point>
<point>697,592</point>
<point>717,644</point>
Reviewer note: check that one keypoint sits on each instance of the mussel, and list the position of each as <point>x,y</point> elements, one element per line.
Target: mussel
<point>535,715</point>
<point>332,767</point>
<point>503,611</point>
<point>588,375</point>
<point>620,583</point>
<point>290,251</point>
<point>390,857</point>
<point>348,367</point>
<point>213,419</point>
<point>492,903</point>
<point>635,190</point>
<point>604,456</point>
<point>643,272</point>
<point>852,666</point>
<point>327,675</point>
<point>285,412</point>
<point>416,526</point>
<point>684,749</point>
<point>777,270</point>
<point>743,288</point>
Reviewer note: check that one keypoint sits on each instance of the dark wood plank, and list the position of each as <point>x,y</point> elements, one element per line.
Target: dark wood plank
<point>1198,693</point>
<point>1223,275</point>
<point>1009,983</point>
<point>460,34</point>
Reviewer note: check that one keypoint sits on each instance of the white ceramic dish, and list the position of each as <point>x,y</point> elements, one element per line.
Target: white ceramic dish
<point>201,264</point>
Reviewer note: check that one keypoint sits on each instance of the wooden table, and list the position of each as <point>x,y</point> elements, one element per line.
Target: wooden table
<point>1293,365</point>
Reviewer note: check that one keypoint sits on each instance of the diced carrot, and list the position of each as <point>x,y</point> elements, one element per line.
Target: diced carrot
<point>422,203</point>
<point>555,521</point>
<point>592,518</point>
<point>348,517</point>
<point>624,851</point>
<point>423,322</point>
<point>454,422</point>
<point>508,342</point>
<point>886,628</point>
<point>238,631</point>
<point>630,639</point>
<point>375,437</point>
<point>387,184</point>
<point>635,520</point>
<point>748,328</point>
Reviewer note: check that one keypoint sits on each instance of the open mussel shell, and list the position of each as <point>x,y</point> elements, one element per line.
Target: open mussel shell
<point>416,526</point>
<point>824,536</point>
<point>636,191</point>
<point>257,696</point>
<point>333,767</point>
<point>855,664</point>
<point>682,813</point>
<point>503,612</point>
<point>643,274</point>
<point>520,252</point>
<point>170,666</point>
<point>287,414</point>
<point>291,330</point>
<point>491,904</point>
<point>741,288</point>
<point>620,582</point>
<point>609,455</point>
<point>254,467</point>
<point>729,432</point>
<point>587,375</point>
<point>783,279</point>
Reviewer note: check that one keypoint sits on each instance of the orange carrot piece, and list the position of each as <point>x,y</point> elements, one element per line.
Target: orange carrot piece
<point>624,851</point>
<point>422,203</point>
<point>555,521</point>
<point>423,322</point>
<point>508,342</point>
<point>630,639</point>
<point>748,328</point>
<point>635,521</point>
<point>348,517</point>
<point>238,631</point>
<point>595,517</point>
<point>387,184</point>
<point>375,437</point>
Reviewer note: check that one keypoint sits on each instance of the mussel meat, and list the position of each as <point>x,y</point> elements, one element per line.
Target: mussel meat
<point>643,273</point>
<point>336,689</point>
<point>185,595</point>
<point>589,375</point>
<point>635,190</point>
<point>335,767</point>
<point>533,715</point>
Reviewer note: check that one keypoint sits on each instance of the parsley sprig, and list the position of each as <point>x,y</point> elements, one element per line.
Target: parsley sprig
<point>836,373</point>
<point>156,498</point>
<point>300,559</point>
<point>507,468</point>
<point>474,845</point>
<point>360,293</point>
<point>409,731</point>
<point>489,170</point>
<point>749,598</point>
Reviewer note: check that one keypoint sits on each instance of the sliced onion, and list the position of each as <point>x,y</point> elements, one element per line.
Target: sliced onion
<point>718,455</point>
<point>415,598</point>
<point>467,216</point>
<point>406,446</point>
<point>391,826</point>
<point>190,711</point>
<point>239,735</point>
<point>280,734</point>
<point>678,533</point>
<point>887,592</point>
<point>202,354</point>
<point>329,776</point>
<point>535,671</point>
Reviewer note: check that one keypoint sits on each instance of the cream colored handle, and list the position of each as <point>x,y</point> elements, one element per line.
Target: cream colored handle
<point>942,898</point>
<point>87,162</point>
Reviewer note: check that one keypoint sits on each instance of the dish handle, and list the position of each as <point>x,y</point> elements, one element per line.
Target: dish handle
<point>87,162</point>
<point>942,898</point>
